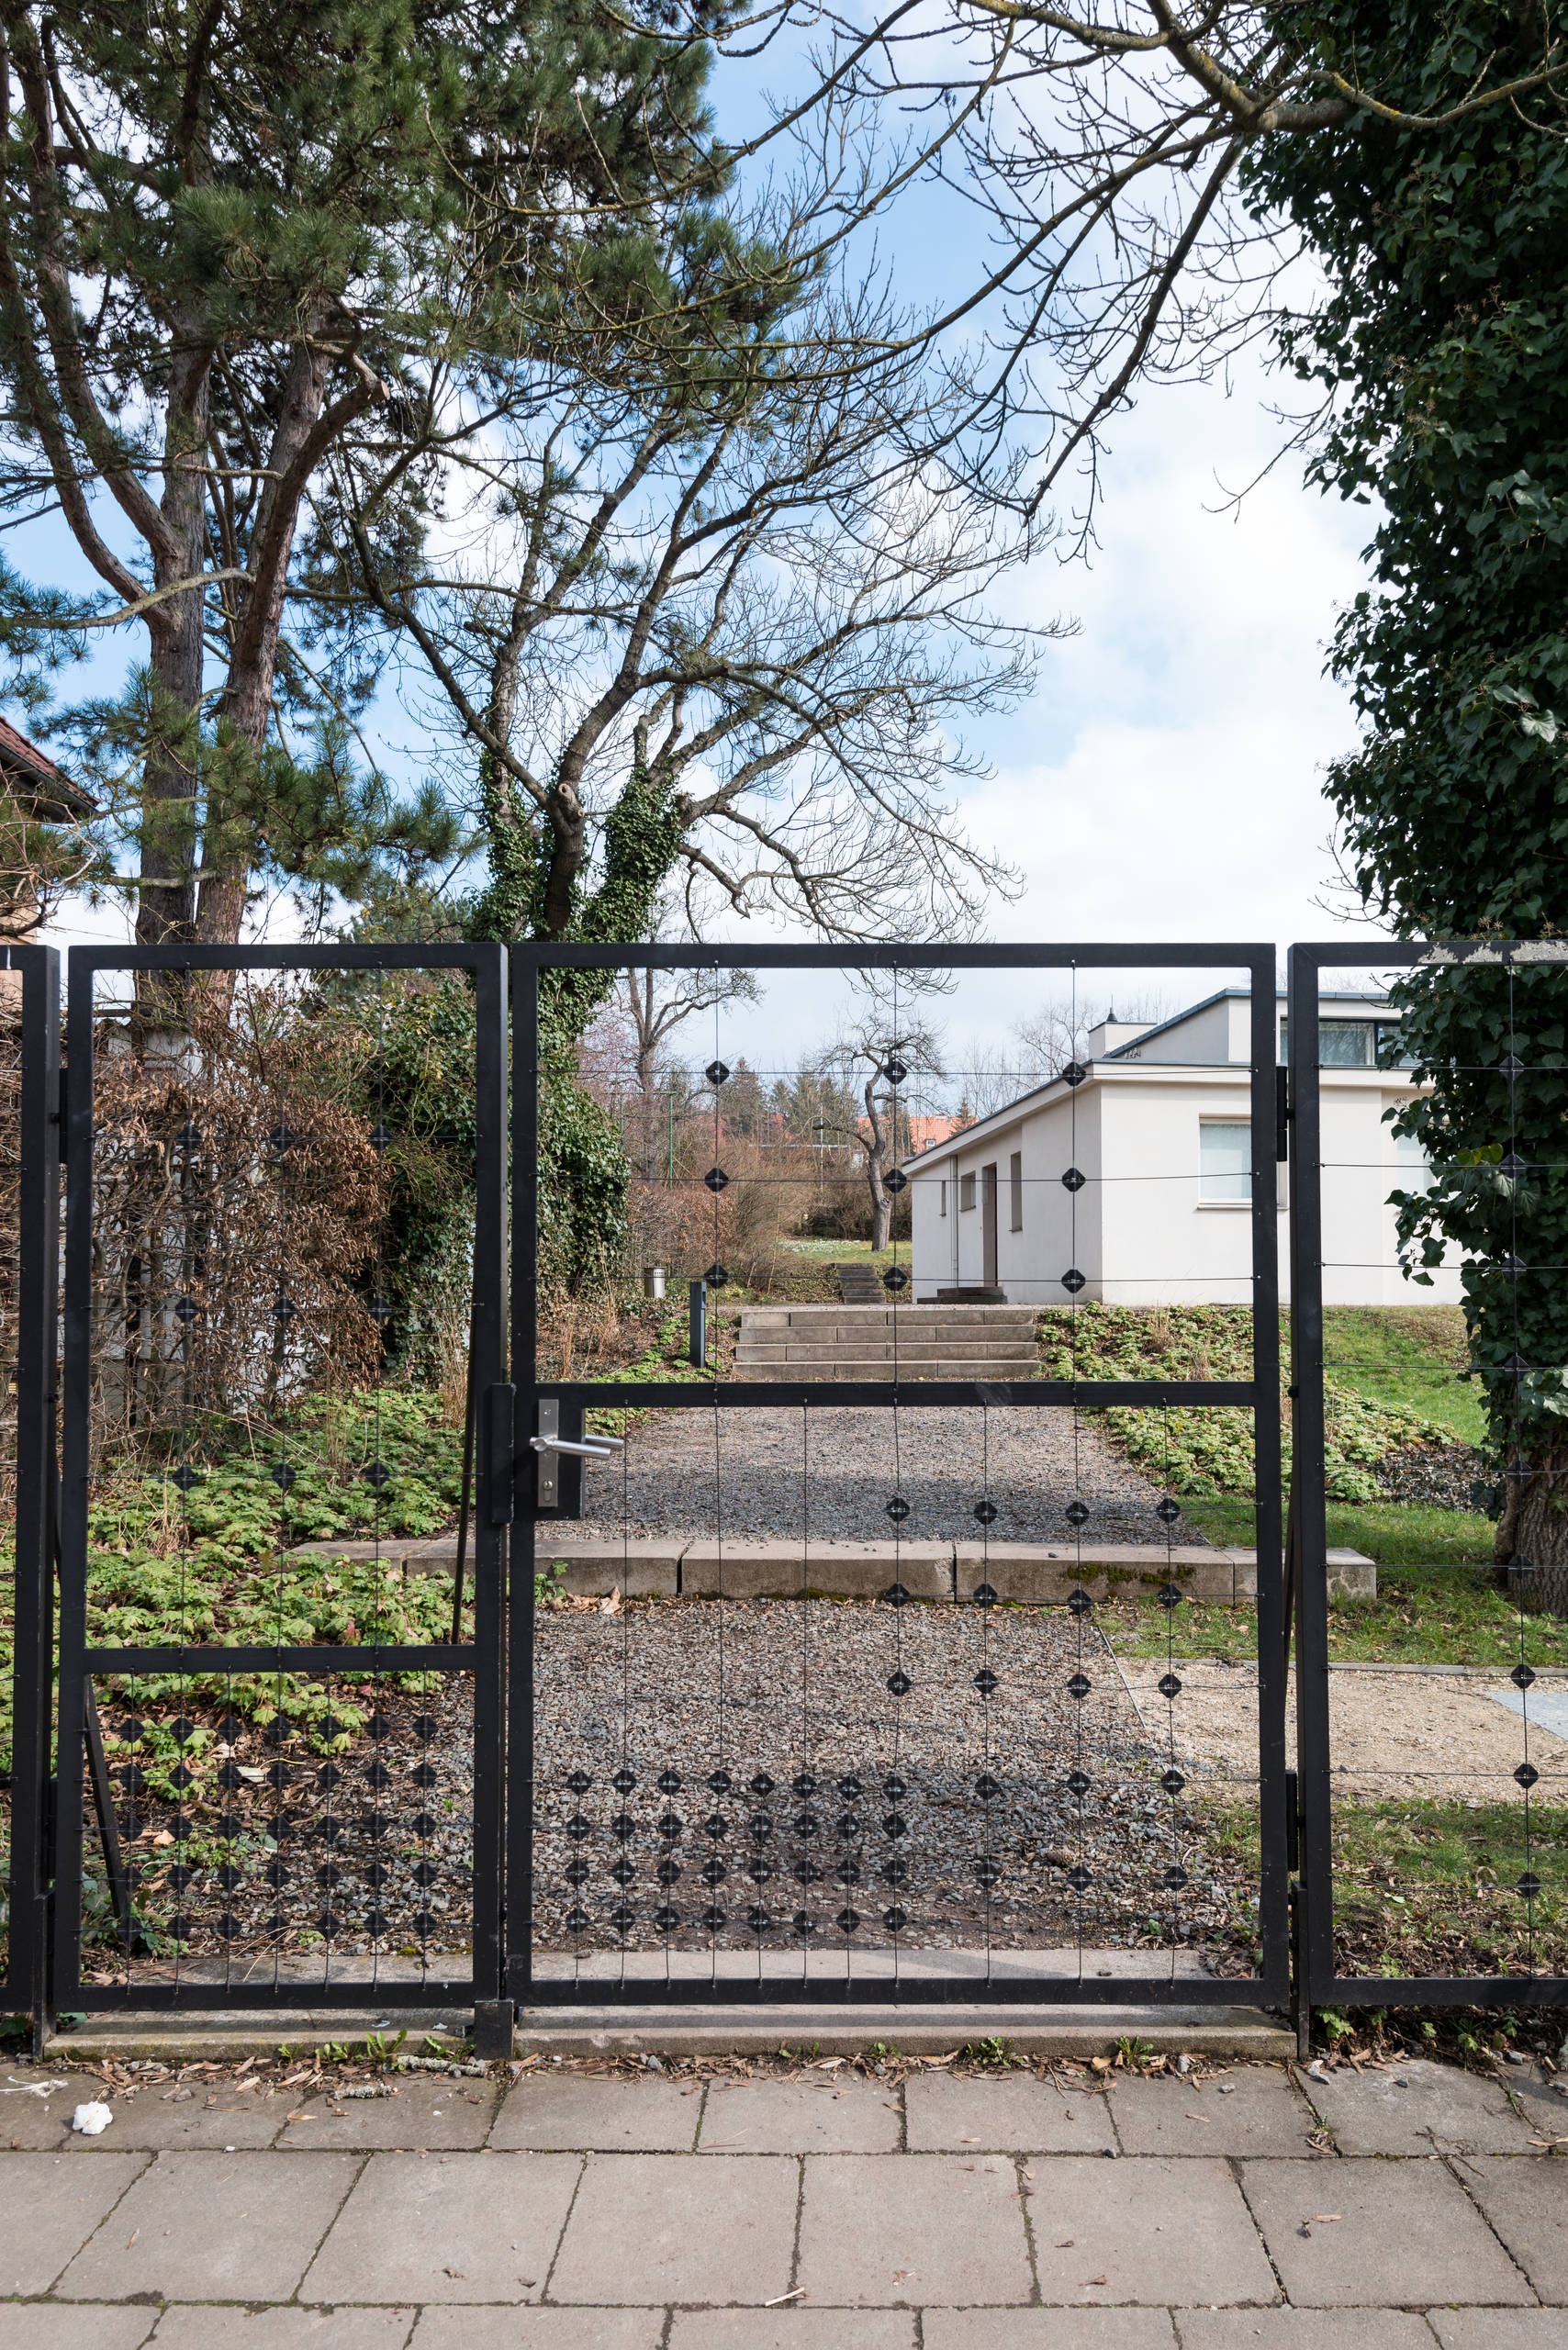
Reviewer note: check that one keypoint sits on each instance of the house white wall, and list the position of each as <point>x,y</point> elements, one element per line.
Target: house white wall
<point>1141,1230</point>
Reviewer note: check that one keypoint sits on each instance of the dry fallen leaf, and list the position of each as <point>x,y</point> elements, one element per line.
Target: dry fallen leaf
<point>1096,2281</point>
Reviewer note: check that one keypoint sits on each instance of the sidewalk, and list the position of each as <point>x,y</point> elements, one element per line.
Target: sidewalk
<point>1406,2208</point>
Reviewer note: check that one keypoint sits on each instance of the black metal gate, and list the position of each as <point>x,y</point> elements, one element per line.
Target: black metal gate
<point>769,1792</point>
<point>29,1219</point>
<point>1434,1818</point>
<point>280,1706</point>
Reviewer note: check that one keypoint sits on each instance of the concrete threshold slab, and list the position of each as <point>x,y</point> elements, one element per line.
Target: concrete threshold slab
<point>217,2036</point>
<point>914,2028</point>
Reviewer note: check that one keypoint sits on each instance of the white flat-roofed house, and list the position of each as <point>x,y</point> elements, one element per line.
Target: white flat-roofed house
<point>1160,1131</point>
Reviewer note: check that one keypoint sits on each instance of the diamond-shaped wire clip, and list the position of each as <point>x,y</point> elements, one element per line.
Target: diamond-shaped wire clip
<point>379,1310</point>
<point>850,1788</point>
<point>379,1135</point>
<point>984,1594</point>
<point>1512,1165</point>
<point>986,1680</point>
<point>1527,1774</point>
<point>576,1920</point>
<point>577,1827</point>
<point>283,1476</point>
<point>376,1925</point>
<point>1073,1180</point>
<point>1175,1877</point>
<point>895,1920</point>
<point>1511,1067</point>
<point>898,1509</point>
<point>1513,1267</point>
<point>894,1070</point>
<point>759,1827</point>
<point>847,1922</point>
<point>986,1513</point>
<point>1516,1364</point>
<point>803,1922</point>
<point>758,1919</point>
<point>1072,1280</point>
<point>189,1136</point>
<point>624,1780</point>
<point>1077,1512</point>
<point>129,1731</point>
<point>181,1730</point>
<point>423,1923</point>
<point>669,1782</point>
<point>1079,1878</point>
<point>895,1279</point>
<point>1172,1782</point>
<point>804,1784</point>
<point>670,1824</point>
<point>1529,1884</point>
<point>896,1595</point>
<point>284,1309</point>
<point>579,1783</point>
<point>1168,1686</point>
<point>184,1477</point>
<point>667,1920</point>
<point>185,1310</point>
<point>1167,1511</point>
<point>895,1825</point>
<point>329,1923</point>
<point>758,1870</point>
<point>716,1181</point>
<point>716,1072</point>
<point>895,1180</point>
<point>282,1139</point>
<point>900,1683</point>
<point>1078,1602</point>
<point>623,1917</point>
<point>668,1871</point>
<point>986,1787</point>
<point>714,1872</point>
<point>377,1475</point>
<point>720,1781</point>
<point>1075,1073</point>
<point>1169,1596</point>
<point>716,1824</point>
<point>806,1824</point>
<point>1080,1685</point>
<point>988,1868</point>
<point>713,1919</point>
<point>1522,1676</point>
<point>716,1276</point>
<point>762,1785</point>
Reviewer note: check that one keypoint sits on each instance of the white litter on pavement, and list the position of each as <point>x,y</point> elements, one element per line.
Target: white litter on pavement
<point>92,2120</point>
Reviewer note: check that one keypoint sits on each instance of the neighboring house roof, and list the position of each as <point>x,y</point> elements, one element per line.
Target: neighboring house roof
<point>32,777</point>
<point>1238,995</point>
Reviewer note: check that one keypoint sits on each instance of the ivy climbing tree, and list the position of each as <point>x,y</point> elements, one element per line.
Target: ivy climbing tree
<point>1443,341</point>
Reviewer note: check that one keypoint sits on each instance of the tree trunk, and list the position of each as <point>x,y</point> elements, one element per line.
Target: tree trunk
<point>1538,1557</point>
<point>881,1200</point>
<point>165,905</point>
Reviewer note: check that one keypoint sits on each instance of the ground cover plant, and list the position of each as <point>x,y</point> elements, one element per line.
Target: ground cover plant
<point>1422,1614</point>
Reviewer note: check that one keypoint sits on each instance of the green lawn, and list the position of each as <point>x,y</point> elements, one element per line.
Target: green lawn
<point>1410,1357</point>
<point>1421,1616</point>
<point>1391,1534</point>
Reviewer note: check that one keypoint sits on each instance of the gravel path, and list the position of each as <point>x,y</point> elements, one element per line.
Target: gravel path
<point>762,1469</point>
<point>782,1751</point>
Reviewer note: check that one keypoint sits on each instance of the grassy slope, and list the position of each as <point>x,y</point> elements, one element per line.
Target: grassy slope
<point>1421,1616</point>
<point>1408,1355</point>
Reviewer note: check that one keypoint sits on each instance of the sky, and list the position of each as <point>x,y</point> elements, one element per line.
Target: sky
<point>1164,779</point>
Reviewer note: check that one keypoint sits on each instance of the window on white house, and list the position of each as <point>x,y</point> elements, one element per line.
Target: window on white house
<point>1414,1166</point>
<point>943,1209</point>
<point>1345,1044</point>
<point>966,1191</point>
<point>1016,1191</point>
<point>1225,1159</point>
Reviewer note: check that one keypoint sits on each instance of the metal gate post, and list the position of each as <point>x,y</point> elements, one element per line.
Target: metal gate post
<point>524,1375</point>
<point>487,1369</point>
<point>1315,1952</point>
<point>1274,1915</point>
<point>38,1271</point>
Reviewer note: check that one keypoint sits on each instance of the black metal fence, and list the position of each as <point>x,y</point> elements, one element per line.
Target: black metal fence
<point>279,1741</point>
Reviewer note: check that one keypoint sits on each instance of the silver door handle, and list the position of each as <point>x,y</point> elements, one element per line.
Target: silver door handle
<point>594,1448</point>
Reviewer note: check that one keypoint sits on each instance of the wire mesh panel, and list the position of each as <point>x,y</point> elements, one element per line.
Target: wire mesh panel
<point>1429,1361</point>
<point>29,1249</point>
<point>859,1652</point>
<point>280,1669</point>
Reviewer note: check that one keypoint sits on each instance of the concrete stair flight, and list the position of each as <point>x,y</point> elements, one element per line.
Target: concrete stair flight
<point>873,1342</point>
<point>860,1285</point>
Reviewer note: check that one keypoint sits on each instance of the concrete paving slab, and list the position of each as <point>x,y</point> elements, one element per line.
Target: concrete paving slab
<point>50,2212</point>
<point>287,2329</point>
<point>1151,2230</point>
<point>924,2230</point>
<point>1526,2202</point>
<point>456,2329</point>
<point>918,2029</point>
<point>599,2116</point>
<point>1406,2233</point>
<point>792,2329</point>
<point>1282,2329</point>
<point>435,2113</point>
<point>1253,2110</point>
<point>1415,2107</point>
<point>39,2325</point>
<point>811,2116</point>
<point>754,1570</point>
<point>1049,2330</point>
<point>457,2227</point>
<point>210,2227</point>
<point>210,2120</point>
<point>663,2228</point>
<point>1497,2329</point>
<point>1013,2113</point>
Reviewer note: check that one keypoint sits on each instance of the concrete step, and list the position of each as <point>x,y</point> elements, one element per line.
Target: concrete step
<point>940,1317</point>
<point>958,1348</point>
<point>881,1367</point>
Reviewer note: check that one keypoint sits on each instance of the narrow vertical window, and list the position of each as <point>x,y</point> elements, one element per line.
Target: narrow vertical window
<point>1016,1191</point>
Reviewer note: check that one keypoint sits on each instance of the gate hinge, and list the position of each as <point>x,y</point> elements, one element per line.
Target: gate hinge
<point>1281,1114</point>
<point>1293,1822</point>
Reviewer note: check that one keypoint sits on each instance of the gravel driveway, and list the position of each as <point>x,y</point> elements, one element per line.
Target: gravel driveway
<point>700,1473</point>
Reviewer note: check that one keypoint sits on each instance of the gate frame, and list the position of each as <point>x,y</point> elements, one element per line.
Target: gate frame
<point>24,1983</point>
<point>484,1659</point>
<point>1318,1983</point>
<point>1270,1987</point>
